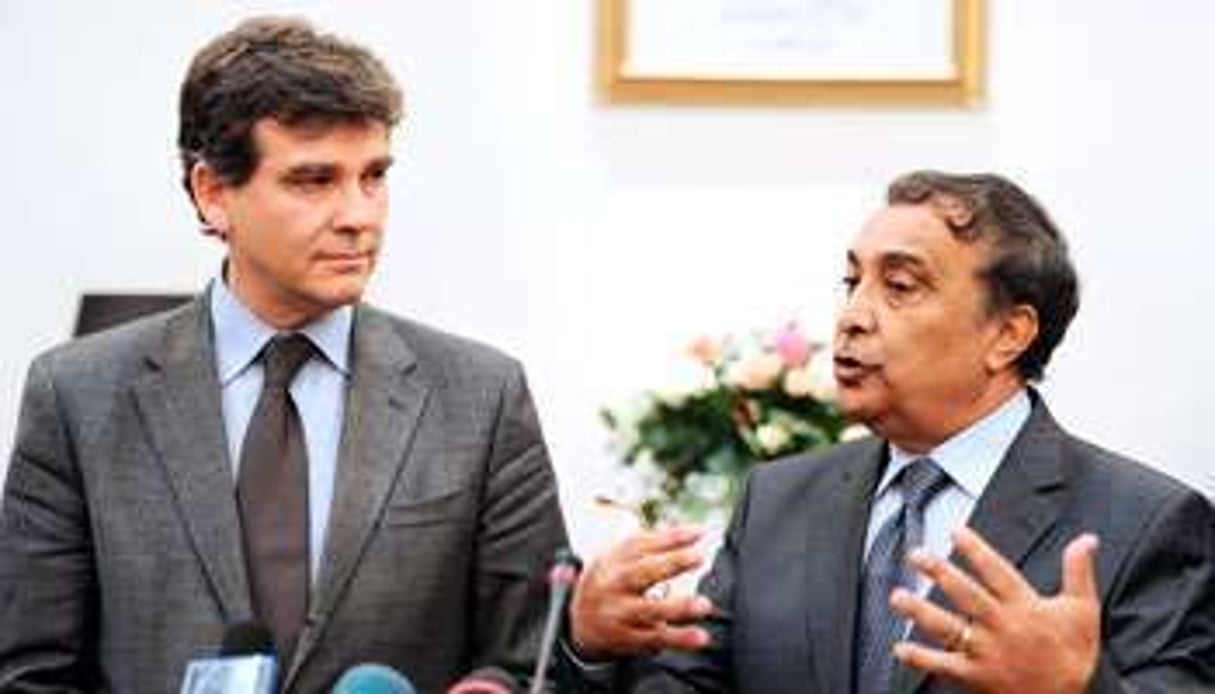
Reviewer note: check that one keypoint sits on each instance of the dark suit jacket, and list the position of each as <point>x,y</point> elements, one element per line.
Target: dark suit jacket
<point>788,574</point>
<point>120,544</point>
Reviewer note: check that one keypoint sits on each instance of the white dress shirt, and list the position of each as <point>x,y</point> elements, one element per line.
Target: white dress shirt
<point>319,393</point>
<point>970,458</point>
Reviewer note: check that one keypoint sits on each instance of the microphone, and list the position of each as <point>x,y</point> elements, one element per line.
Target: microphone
<point>245,664</point>
<point>561,579</point>
<point>373,678</point>
<point>486,680</point>
<point>246,638</point>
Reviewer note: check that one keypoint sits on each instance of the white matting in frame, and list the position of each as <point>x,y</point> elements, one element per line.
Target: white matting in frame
<point>926,52</point>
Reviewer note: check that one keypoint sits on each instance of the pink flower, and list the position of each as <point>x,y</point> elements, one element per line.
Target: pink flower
<point>706,350</point>
<point>756,372</point>
<point>793,347</point>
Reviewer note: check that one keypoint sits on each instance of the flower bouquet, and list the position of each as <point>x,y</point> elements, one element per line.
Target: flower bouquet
<point>760,398</point>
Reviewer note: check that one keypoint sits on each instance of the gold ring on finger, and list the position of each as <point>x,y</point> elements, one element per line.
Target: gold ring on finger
<point>960,642</point>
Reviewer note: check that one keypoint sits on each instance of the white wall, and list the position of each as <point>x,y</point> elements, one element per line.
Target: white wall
<point>593,242</point>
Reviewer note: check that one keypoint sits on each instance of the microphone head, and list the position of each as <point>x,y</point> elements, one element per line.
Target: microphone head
<point>487,680</point>
<point>565,556</point>
<point>372,678</point>
<point>565,568</point>
<point>247,638</point>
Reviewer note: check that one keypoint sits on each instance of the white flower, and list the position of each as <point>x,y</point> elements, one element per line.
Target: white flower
<point>799,383</point>
<point>821,376</point>
<point>673,397</point>
<point>772,437</point>
<point>854,432</point>
<point>712,488</point>
<point>687,378</point>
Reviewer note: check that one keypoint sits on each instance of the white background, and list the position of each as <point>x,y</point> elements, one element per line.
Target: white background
<point>594,241</point>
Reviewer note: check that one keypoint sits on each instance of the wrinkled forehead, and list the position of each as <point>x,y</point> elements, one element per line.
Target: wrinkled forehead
<point>914,235</point>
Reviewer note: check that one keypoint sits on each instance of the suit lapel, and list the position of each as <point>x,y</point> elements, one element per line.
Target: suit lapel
<point>179,400</point>
<point>836,552</point>
<point>1018,507</point>
<point>385,400</point>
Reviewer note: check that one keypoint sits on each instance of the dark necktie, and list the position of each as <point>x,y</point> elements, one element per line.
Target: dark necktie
<point>886,568</point>
<point>272,493</point>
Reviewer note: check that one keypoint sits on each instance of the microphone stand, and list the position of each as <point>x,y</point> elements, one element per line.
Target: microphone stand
<point>561,579</point>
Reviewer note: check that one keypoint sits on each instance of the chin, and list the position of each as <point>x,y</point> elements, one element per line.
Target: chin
<point>342,291</point>
<point>860,408</point>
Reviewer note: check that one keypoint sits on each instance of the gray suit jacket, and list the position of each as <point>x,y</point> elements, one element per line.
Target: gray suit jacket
<point>789,572</point>
<point>120,543</point>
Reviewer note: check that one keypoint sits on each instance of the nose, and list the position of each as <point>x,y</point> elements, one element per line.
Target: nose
<point>360,208</point>
<point>855,316</point>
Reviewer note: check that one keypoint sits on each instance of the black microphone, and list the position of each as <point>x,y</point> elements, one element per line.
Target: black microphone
<point>247,638</point>
<point>561,579</point>
<point>486,680</point>
<point>245,664</point>
<point>373,678</point>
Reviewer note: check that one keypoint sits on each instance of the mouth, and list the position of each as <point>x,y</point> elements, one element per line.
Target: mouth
<point>850,370</point>
<point>346,262</point>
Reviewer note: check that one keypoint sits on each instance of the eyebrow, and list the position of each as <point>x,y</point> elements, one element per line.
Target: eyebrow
<point>896,259</point>
<point>308,168</point>
<point>383,162</point>
<point>312,168</point>
<point>903,260</point>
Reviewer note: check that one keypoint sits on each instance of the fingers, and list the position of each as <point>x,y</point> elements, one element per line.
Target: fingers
<point>653,556</point>
<point>613,610</point>
<point>963,591</point>
<point>647,558</point>
<point>931,619</point>
<point>687,608</point>
<point>683,638</point>
<point>991,569</point>
<point>629,625</point>
<point>657,637</point>
<point>661,540</point>
<point>670,623</point>
<point>947,664</point>
<point>639,576</point>
<point>1079,574</point>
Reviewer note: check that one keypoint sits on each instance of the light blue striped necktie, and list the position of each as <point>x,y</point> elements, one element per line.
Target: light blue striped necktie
<point>886,568</point>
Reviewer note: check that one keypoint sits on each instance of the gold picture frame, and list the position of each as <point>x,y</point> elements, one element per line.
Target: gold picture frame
<point>959,83</point>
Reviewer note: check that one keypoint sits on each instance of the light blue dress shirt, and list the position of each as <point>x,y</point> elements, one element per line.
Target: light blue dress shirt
<point>970,458</point>
<point>319,393</point>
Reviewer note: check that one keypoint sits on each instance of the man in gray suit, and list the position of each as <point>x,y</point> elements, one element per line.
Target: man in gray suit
<point>414,508</point>
<point>976,546</point>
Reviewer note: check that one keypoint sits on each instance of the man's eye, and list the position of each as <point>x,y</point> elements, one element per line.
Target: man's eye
<point>309,180</point>
<point>376,177</point>
<point>901,287</point>
<point>849,282</point>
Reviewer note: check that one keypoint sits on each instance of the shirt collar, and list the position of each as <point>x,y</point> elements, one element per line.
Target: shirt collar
<point>240,335</point>
<point>971,456</point>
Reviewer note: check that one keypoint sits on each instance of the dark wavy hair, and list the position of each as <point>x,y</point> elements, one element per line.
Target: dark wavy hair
<point>280,68</point>
<point>1028,261</point>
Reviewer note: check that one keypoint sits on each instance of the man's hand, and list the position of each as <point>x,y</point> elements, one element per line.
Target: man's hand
<point>1005,637</point>
<point>615,611</point>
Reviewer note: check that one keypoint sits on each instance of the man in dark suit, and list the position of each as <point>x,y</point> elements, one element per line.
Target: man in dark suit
<point>387,498</point>
<point>976,546</point>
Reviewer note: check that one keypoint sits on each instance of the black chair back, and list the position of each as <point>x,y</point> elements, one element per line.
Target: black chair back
<point>99,311</point>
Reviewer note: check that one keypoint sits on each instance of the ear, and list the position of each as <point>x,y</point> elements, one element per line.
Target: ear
<point>210,197</point>
<point>1017,330</point>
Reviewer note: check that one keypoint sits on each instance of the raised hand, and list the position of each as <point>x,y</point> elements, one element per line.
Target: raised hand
<point>615,610</point>
<point>1005,637</point>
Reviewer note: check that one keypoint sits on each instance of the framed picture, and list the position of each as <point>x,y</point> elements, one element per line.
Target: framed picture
<point>802,52</point>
